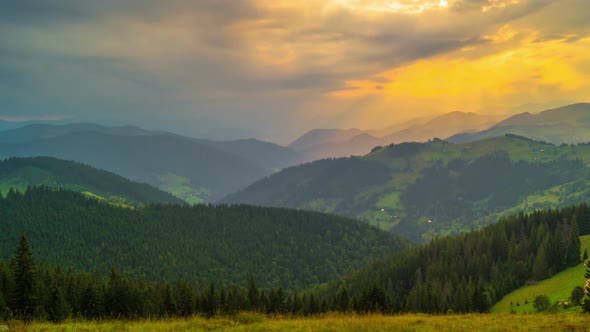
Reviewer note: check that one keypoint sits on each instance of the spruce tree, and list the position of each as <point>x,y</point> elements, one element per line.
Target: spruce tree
<point>58,308</point>
<point>586,300</point>
<point>3,308</point>
<point>209,301</point>
<point>342,300</point>
<point>24,299</point>
<point>253,296</point>
<point>90,303</point>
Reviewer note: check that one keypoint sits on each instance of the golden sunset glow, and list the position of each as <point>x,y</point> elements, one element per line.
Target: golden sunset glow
<point>406,7</point>
<point>297,64</point>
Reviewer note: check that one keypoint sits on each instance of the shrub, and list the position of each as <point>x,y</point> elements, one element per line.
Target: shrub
<point>541,303</point>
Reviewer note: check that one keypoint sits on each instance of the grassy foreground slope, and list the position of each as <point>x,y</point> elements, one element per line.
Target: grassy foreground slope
<point>557,288</point>
<point>331,322</point>
<point>422,191</point>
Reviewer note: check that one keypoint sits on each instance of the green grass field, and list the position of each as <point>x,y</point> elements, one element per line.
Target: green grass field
<point>334,322</point>
<point>180,187</point>
<point>557,288</point>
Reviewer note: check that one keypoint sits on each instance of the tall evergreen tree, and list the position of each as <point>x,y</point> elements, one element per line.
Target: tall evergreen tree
<point>24,299</point>
<point>253,295</point>
<point>586,301</point>
<point>58,307</point>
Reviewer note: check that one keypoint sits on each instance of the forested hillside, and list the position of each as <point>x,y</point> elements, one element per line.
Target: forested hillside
<point>227,244</point>
<point>424,190</point>
<point>459,274</point>
<point>471,272</point>
<point>21,173</point>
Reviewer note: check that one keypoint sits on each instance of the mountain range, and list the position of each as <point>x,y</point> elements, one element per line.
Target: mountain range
<point>569,124</point>
<point>424,190</point>
<point>192,169</point>
<point>325,143</point>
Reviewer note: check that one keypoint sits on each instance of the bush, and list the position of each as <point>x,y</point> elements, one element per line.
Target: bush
<point>541,303</point>
<point>577,295</point>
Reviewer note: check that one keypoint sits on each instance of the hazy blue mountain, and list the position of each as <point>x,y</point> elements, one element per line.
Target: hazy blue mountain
<point>37,131</point>
<point>442,126</point>
<point>569,124</point>
<point>190,168</point>
<point>325,143</point>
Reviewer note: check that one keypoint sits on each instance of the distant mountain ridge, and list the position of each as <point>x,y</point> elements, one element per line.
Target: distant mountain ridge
<point>569,124</point>
<point>21,173</point>
<point>325,143</point>
<point>330,143</point>
<point>423,190</point>
<point>40,131</point>
<point>192,169</point>
<point>443,126</point>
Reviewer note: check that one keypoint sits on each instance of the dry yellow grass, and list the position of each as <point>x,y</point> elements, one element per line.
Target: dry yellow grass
<point>334,322</point>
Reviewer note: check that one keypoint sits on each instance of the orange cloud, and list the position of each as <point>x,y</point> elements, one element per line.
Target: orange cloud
<point>540,71</point>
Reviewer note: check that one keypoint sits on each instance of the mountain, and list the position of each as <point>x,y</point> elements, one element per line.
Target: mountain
<point>569,124</point>
<point>8,125</point>
<point>442,126</point>
<point>266,155</point>
<point>330,143</point>
<point>200,244</point>
<point>192,169</point>
<point>386,131</point>
<point>38,131</point>
<point>425,190</point>
<point>21,173</point>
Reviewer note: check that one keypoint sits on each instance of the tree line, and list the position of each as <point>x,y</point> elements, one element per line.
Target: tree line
<point>31,291</point>
<point>469,272</point>
<point>464,273</point>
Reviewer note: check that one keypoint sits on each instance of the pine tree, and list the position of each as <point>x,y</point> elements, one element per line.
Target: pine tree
<point>58,308</point>
<point>90,303</point>
<point>117,299</point>
<point>24,300</point>
<point>170,307</point>
<point>586,300</point>
<point>342,300</point>
<point>253,296</point>
<point>3,308</point>
<point>209,302</point>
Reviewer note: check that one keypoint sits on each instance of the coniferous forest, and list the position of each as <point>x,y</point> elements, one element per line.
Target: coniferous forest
<point>464,273</point>
<point>228,244</point>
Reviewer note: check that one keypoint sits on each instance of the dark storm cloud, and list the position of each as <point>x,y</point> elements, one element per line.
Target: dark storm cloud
<point>225,59</point>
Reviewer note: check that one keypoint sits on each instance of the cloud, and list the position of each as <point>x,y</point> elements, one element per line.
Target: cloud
<point>231,63</point>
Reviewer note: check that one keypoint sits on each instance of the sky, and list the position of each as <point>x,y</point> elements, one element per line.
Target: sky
<point>273,69</point>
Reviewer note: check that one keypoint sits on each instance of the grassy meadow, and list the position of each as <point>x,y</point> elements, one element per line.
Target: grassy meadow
<point>334,322</point>
<point>557,288</point>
